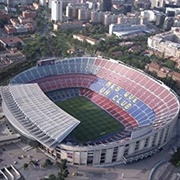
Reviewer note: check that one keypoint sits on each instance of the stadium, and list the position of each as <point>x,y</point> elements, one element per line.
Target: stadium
<point>91,111</point>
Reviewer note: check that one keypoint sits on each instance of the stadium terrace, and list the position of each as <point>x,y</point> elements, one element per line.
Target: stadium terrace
<point>91,111</point>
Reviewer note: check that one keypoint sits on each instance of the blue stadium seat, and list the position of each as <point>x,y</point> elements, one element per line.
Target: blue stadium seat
<point>59,68</point>
<point>140,111</point>
<point>54,70</point>
<point>24,78</point>
<point>137,109</point>
<point>30,75</point>
<point>78,60</point>
<point>42,72</point>
<point>91,61</point>
<point>66,68</point>
<point>63,94</point>
<point>72,67</point>
<point>36,73</point>
<point>47,70</point>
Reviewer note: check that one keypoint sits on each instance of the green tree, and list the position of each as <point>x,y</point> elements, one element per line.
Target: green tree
<point>170,64</point>
<point>63,170</point>
<point>3,22</point>
<point>18,45</point>
<point>175,160</point>
<point>47,163</point>
<point>52,177</point>
<point>25,165</point>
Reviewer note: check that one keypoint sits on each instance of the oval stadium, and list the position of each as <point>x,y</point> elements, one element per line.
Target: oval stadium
<point>91,111</point>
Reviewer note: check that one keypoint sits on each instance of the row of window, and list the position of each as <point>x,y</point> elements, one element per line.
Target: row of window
<point>137,144</point>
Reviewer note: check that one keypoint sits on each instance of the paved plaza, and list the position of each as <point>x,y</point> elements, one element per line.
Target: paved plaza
<point>18,154</point>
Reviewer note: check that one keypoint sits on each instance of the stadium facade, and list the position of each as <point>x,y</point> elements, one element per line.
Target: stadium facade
<point>146,107</point>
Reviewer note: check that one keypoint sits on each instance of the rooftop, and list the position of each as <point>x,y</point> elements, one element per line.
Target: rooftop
<point>11,40</point>
<point>37,116</point>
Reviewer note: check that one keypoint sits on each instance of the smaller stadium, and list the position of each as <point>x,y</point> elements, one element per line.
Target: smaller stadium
<point>91,111</point>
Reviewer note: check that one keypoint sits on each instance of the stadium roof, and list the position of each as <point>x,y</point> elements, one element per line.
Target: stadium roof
<point>37,114</point>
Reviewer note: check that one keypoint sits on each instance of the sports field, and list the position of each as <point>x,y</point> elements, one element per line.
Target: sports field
<point>95,122</point>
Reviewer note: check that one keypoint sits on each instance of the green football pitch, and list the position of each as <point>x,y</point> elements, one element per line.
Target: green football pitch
<point>95,122</point>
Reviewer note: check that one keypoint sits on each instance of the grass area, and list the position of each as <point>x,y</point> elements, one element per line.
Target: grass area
<point>95,122</point>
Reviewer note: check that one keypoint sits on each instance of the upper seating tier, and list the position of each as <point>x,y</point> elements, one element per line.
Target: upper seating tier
<point>155,100</point>
<point>143,114</point>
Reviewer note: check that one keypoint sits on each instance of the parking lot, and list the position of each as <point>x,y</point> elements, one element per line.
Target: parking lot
<point>18,155</point>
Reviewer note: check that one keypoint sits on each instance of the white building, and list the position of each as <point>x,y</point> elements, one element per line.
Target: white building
<point>20,28</point>
<point>17,2</point>
<point>49,4</point>
<point>73,8</point>
<point>125,29</point>
<point>128,19</point>
<point>42,2</point>
<point>150,15</point>
<point>97,16</point>
<point>157,3</point>
<point>167,43</point>
<point>175,10</point>
<point>91,5</point>
<point>162,3</point>
<point>68,25</point>
<point>172,2</point>
<point>71,12</point>
<point>37,118</point>
<point>110,18</point>
<point>56,10</point>
<point>84,14</point>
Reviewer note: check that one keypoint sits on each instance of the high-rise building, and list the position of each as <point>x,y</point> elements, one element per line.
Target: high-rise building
<point>168,23</point>
<point>106,5</point>
<point>157,3</point>
<point>84,14</point>
<point>129,19</point>
<point>72,12</point>
<point>49,4</point>
<point>97,17</point>
<point>17,2</point>
<point>73,8</point>
<point>56,10</point>
<point>110,19</point>
<point>160,20</point>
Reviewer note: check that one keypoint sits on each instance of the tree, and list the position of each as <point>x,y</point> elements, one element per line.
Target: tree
<point>3,22</point>
<point>52,177</point>
<point>61,176</point>
<point>175,160</point>
<point>170,64</point>
<point>47,163</point>
<point>2,48</point>
<point>25,165</point>
<point>63,170</point>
